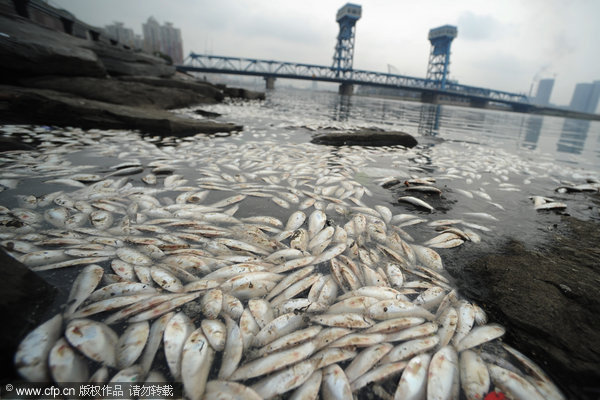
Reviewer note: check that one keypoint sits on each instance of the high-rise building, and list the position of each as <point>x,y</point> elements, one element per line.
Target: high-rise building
<point>163,38</point>
<point>171,42</point>
<point>119,32</point>
<point>544,90</point>
<point>151,30</point>
<point>585,97</point>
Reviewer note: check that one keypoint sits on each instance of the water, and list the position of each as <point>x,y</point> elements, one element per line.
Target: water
<point>568,141</point>
<point>487,164</point>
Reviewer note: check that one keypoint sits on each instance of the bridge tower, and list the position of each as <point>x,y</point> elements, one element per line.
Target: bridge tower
<point>344,48</point>
<point>439,58</point>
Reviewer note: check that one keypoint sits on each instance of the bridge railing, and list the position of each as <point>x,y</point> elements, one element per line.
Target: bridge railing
<point>257,67</point>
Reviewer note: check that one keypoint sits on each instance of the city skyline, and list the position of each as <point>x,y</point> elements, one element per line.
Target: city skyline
<point>508,46</point>
<point>155,37</point>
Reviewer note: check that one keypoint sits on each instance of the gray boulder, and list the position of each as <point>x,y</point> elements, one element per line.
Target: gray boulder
<point>47,107</point>
<point>366,137</point>
<point>129,93</point>
<point>30,49</point>
<point>179,81</point>
<point>118,61</point>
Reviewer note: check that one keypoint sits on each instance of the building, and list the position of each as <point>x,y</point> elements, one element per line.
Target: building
<point>165,39</point>
<point>585,97</point>
<point>544,90</point>
<point>171,42</point>
<point>151,31</point>
<point>120,33</point>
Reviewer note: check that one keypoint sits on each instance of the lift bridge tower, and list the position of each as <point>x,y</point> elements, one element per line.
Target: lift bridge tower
<point>344,49</point>
<point>439,58</point>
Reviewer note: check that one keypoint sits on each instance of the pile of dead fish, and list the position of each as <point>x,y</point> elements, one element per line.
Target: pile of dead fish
<point>255,270</point>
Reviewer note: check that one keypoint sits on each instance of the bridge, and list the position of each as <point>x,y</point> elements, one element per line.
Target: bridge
<point>432,89</point>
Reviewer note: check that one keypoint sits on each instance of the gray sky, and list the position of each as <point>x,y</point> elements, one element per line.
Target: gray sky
<point>501,44</point>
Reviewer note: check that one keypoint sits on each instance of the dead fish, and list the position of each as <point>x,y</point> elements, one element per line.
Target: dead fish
<point>214,331</point>
<point>224,390</point>
<point>514,385</point>
<point>196,361</point>
<point>474,375</point>
<point>377,374</point>
<point>83,286</point>
<point>285,380</point>
<point>166,280</point>
<point>409,349</point>
<point>94,339</point>
<point>395,308</point>
<point>109,304</point>
<point>66,365</point>
<point>131,343</point>
<point>343,320</point>
<point>536,376</point>
<point>212,303</point>
<point>365,360</point>
<point>295,221</point>
<point>416,202</point>
<point>443,381</point>
<point>479,335</point>
<point>413,383</point>
<point>273,362</point>
<point>428,257</point>
<point>335,385</point>
<point>277,328</point>
<point>120,289</point>
<point>32,353</point>
<point>176,332</point>
<point>132,256</point>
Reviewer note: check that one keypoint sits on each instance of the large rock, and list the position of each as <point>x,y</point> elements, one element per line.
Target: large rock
<point>180,81</point>
<point>131,93</point>
<point>366,137</point>
<point>548,300</point>
<point>240,93</point>
<point>118,61</point>
<point>47,107</point>
<point>30,49</point>
<point>25,298</point>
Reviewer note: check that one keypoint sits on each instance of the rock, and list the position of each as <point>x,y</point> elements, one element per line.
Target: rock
<point>47,107</point>
<point>119,61</point>
<point>239,93</point>
<point>366,137</point>
<point>9,144</point>
<point>131,93</point>
<point>207,114</point>
<point>30,49</point>
<point>548,300</point>
<point>180,81</point>
<point>24,300</point>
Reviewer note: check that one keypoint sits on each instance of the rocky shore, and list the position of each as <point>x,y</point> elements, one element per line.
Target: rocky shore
<point>53,78</point>
<point>546,297</point>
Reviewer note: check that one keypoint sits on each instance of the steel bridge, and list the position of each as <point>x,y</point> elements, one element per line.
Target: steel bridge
<point>270,70</point>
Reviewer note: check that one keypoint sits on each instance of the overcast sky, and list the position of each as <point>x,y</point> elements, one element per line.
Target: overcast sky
<point>503,44</point>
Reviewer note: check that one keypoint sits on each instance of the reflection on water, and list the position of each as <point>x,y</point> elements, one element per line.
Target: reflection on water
<point>429,119</point>
<point>533,128</point>
<point>533,136</point>
<point>341,108</point>
<point>573,136</point>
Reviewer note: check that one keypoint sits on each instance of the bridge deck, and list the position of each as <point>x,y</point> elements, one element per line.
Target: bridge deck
<point>279,69</point>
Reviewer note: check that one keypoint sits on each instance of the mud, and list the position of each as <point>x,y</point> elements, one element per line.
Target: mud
<point>547,297</point>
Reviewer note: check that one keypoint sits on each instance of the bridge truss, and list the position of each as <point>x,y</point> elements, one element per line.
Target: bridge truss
<point>280,69</point>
